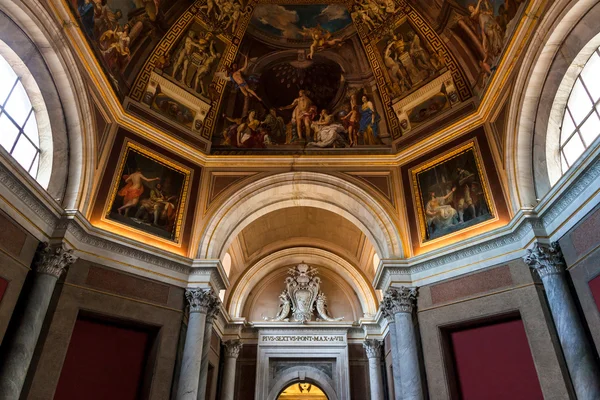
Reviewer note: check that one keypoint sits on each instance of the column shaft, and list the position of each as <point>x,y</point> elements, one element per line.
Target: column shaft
<point>21,349</point>
<point>577,350</point>
<point>375,378</point>
<point>204,364</point>
<point>192,357</point>
<point>579,355</point>
<point>395,360</point>
<point>410,371</point>
<point>229,378</point>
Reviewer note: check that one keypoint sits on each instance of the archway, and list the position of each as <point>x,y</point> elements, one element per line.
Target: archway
<point>294,189</point>
<point>297,375</point>
<point>302,391</point>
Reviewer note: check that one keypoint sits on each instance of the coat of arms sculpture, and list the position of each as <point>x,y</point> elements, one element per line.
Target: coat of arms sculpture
<point>302,296</point>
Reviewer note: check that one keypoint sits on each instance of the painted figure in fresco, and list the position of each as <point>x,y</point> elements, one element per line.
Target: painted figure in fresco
<point>211,6</point>
<point>231,11</point>
<point>489,30</point>
<point>368,122</point>
<point>158,206</point>
<point>374,9</point>
<point>303,114</point>
<point>117,53</point>
<point>133,189</point>
<point>245,132</point>
<point>439,213</point>
<point>205,67</point>
<point>352,121</point>
<point>322,39</point>
<point>184,56</point>
<point>274,124</point>
<point>234,74</point>
<point>362,15</point>
<point>327,132</point>
<point>419,54</point>
<point>399,80</point>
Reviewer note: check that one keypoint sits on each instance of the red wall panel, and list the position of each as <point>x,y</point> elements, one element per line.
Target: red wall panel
<point>595,288</point>
<point>494,362</point>
<point>3,286</point>
<point>103,361</point>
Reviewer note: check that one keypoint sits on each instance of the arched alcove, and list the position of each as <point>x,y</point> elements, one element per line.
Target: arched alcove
<point>336,267</point>
<point>308,189</point>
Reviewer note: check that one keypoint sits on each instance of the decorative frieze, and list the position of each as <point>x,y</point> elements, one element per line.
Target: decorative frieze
<point>233,348</point>
<point>373,348</point>
<point>201,300</point>
<point>54,259</point>
<point>398,300</point>
<point>545,259</point>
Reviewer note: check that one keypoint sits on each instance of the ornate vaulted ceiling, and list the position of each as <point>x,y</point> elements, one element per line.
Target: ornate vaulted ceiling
<point>278,77</point>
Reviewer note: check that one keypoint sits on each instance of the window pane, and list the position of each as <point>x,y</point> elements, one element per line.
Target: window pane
<point>34,168</point>
<point>24,152</point>
<point>31,129</point>
<point>579,103</point>
<point>590,129</point>
<point>590,76</point>
<point>567,127</point>
<point>18,105</point>
<point>563,163</point>
<point>573,149</point>
<point>8,133</point>
<point>7,79</point>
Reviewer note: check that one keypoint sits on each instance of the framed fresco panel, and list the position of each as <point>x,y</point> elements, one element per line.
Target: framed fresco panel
<point>148,193</point>
<point>452,193</point>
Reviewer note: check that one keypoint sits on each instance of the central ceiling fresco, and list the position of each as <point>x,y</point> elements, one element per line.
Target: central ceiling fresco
<point>269,77</point>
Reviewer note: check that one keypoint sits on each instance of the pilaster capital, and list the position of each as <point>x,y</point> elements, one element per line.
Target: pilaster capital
<point>233,348</point>
<point>201,300</point>
<point>373,348</point>
<point>53,259</point>
<point>545,259</point>
<point>398,300</point>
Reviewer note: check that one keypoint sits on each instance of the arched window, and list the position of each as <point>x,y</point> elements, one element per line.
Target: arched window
<point>18,125</point>
<point>581,121</point>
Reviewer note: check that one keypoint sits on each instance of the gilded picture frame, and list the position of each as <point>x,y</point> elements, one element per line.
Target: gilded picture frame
<point>148,194</point>
<point>452,193</point>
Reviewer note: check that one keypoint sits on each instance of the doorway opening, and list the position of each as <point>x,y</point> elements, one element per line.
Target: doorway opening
<point>302,391</point>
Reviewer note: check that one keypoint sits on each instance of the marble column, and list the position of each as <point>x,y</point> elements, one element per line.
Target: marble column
<point>394,354</point>
<point>373,349</point>
<point>200,301</point>
<point>400,302</point>
<point>232,351</point>
<point>51,261</point>
<point>211,314</point>
<point>548,262</point>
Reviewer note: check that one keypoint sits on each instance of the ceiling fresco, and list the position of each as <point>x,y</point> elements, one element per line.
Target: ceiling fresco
<point>274,77</point>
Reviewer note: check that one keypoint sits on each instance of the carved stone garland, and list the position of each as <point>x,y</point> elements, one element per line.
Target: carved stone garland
<point>302,297</point>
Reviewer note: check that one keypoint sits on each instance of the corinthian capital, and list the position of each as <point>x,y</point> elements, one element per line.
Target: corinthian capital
<point>373,348</point>
<point>53,259</point>
<point>398,300</point>
<point>201,300</point>
<point>233,348</point>
<point>545,259</point>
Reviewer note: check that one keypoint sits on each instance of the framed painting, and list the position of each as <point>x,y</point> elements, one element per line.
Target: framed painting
<point>452,193</point>
<point>148,193</point>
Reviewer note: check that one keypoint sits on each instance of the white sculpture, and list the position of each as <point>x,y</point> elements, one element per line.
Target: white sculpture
<point>302,296</point>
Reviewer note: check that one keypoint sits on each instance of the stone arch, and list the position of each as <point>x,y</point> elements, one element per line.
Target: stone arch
<point>44,49</point>
<point>303,374</point>
<point>568,29</point>
<point>293,189</point>
<point>292,256</point>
